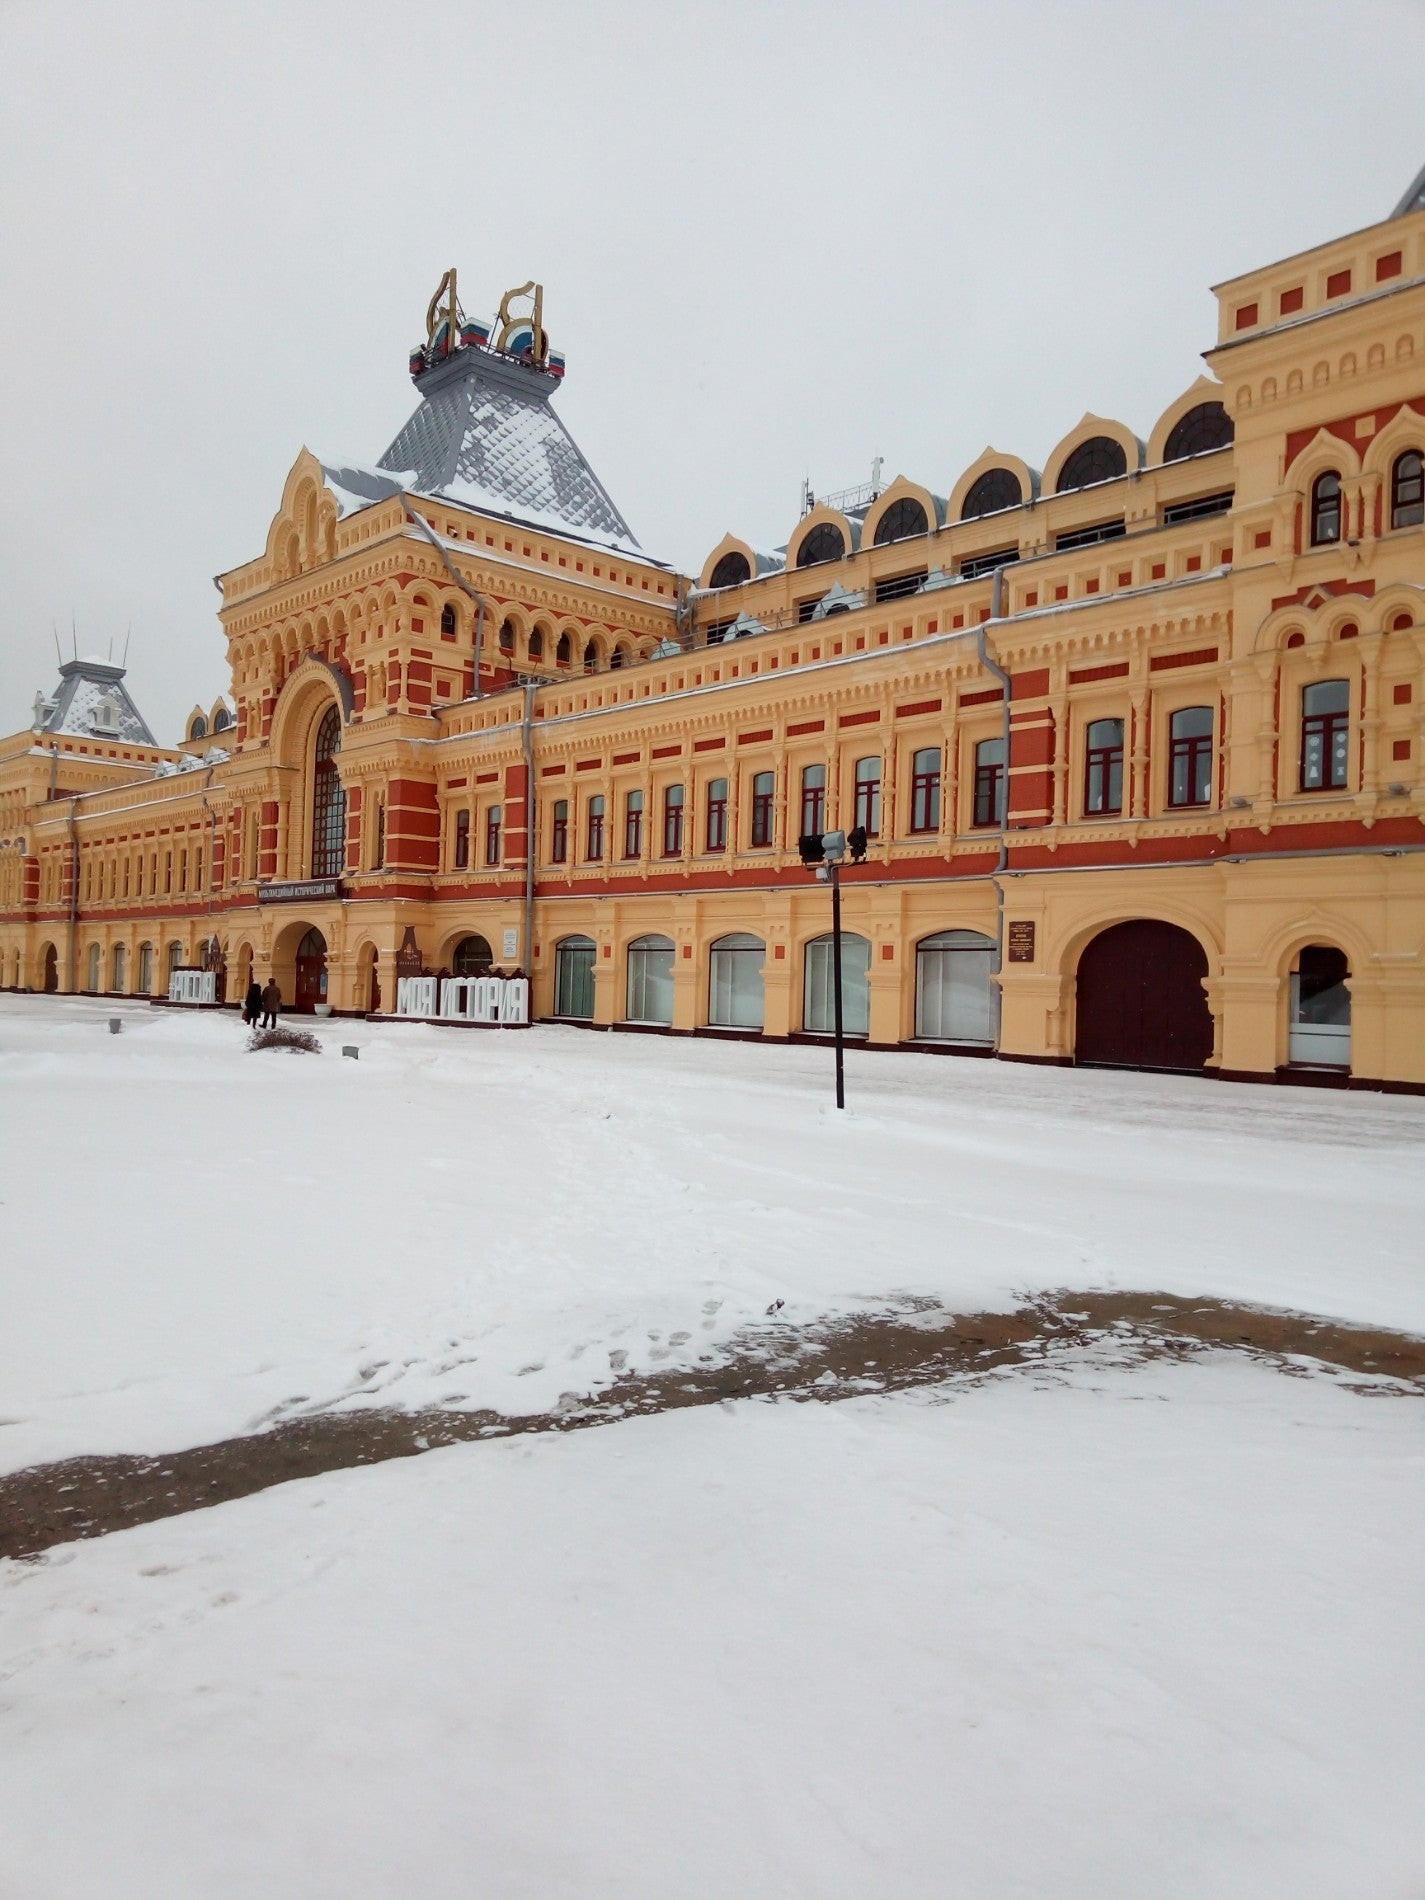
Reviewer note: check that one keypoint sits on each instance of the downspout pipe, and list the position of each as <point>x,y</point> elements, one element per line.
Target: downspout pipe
<point>460,581</point>
<point>531,832</point>
<point>73,870</point>
<point>992,665</point>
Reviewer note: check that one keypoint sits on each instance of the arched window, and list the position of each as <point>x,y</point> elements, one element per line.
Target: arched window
<point>559,832</point>
<point>145,983</point>
<point>818,993</point>
<point>1190,756</point>
<point>117,974</point>
<point>1103,768</point>
<point>997,488</point>
<point>1099,459</point>
<point>564,652</point>
<point>447,622</point>
<point>1407,490</point>
<point>618,657</point>
<point>1325,736</point>
<point>650,980</point>
<point>222,719</point>
<point>536,643</point>
<point>954,1001</point>
<point>1208,426</point>
<point>507,636</point>
<point>731,571</point>
<point>1319,1024</point>
<point>1326,509</point>
<point>825,543</point>
<point>591,657</point>
<point>471,957</point>
<point>92,975</point>
<point>328,800</point>
<point>902,519</point>
<point>199,728</point>
<point>989,786</point>
<point>175,955</point>
<point>574,978</point>
<point>735,981</point>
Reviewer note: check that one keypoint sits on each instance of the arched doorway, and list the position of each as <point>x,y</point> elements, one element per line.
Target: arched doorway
<point>472,956</point>
<point>954,999</point>
<point>144,987</point>
<point>574,978</point>
<point>735,999</point>
<point>51,976</point>
<point>311,971</point>
<point>244,970</point>
<point>1319,1026</point>
<point>368,979</point>
<point>1141,1003</point>
<point>818,999</point>
<point>650,980</point>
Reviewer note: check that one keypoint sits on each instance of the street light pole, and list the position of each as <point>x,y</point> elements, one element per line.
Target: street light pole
<point>835,871</point>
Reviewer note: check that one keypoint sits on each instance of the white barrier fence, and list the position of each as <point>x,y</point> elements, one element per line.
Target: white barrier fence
<point>465,999</point>
<point>193,986</point>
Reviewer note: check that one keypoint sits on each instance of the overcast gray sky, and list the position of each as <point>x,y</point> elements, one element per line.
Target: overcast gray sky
<point>776,240</point>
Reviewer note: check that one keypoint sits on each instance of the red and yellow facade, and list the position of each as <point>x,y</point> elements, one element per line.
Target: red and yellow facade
<point>495,681</point>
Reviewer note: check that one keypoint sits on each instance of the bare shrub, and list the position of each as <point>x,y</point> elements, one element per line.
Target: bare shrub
<point>300,1041</point>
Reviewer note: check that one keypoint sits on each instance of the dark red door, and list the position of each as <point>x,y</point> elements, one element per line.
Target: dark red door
<point>311,971</point>
<point>1141,1003</point>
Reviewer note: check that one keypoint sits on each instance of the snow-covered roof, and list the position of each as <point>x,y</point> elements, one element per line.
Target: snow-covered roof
<point>486,437</point>
<point>93,702</point>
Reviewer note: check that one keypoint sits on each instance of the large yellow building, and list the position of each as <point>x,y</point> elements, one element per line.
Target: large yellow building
<point>1136,739</point>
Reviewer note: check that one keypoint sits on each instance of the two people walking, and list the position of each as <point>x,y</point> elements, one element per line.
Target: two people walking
<point>260,1002</point>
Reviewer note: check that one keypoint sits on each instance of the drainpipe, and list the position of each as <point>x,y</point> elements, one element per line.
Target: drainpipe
<point>208,867</point>
<point>531,832</point>
<point>73,875</point>
<point>992,665</point>
<point>460,581</point>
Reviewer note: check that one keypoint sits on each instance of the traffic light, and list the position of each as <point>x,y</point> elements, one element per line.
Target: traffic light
<point>856,842</point>
<point>827,848</point>
<point>810,847</point>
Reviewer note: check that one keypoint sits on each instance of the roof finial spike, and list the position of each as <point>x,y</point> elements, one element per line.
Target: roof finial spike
<point>127,631</point>
<point>73,635</point>
<point>58,650</point>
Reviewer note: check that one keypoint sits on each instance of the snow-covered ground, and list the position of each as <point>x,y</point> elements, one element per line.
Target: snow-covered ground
<point>1108,1637</point>
<point>194,1239</point>
<point>1073,1633</point>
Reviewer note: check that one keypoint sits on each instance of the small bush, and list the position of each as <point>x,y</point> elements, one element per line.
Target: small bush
<point>300,1041</point>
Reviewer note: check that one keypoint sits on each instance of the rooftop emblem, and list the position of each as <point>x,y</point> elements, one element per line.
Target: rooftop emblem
<point>522,336</point>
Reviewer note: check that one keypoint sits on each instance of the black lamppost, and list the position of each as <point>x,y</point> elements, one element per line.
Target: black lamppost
<point>825,852</point>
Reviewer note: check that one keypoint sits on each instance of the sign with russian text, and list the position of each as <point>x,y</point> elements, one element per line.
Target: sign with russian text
<point>312,890</point>
<point>1021,940</point>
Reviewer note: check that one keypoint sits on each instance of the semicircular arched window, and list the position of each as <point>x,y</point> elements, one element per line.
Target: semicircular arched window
<point>1099,459</point>
<point>825,543</point>
<point>901,520</point>
<point>1326,509</point>
<point>1208,426</point>
<point>997,488</point>
<point>731,571</point>
<point>199,728</point>
<point>222,719</point>
<point>1407,490</point>
<point>328,800</point>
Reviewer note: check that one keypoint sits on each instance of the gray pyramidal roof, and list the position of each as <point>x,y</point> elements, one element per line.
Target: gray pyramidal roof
<point>1414,199</point>
<point>92,703</point>
<point>486,437</point>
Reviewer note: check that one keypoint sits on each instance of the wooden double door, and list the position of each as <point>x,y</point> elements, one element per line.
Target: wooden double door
<point>1140,1000</point>
<point>311,972</point>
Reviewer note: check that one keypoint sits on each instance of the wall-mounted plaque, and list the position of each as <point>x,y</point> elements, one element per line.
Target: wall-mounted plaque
<point>1021,940</point>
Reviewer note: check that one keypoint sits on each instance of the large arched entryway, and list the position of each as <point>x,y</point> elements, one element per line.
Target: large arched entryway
<point>311,971</point>
<point>1140,1003</point>
<point>51,976</point>
<point>471,957</point>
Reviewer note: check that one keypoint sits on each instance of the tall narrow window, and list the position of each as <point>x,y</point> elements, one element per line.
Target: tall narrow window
<point>462,840</point>
<point>673,821</point>
<point>328,800</point>
<point>762,799</point>
<point>1103,768</point>
<point>378,851</point>
<point>1326,509</point>
<point>493,817</point>
<point>562,651</point>
<point>989,782</point>
<point>633,825</point>
<point>559,833</point>
<point>447,623</point>
<point>1407,490</point>
<point>717,815</point>
<point>595,839</point>
<point>813,801</point>
<point>868,796</point>
<point>1325,735</point>
<point>1190,756</point>
<point>925,790</point>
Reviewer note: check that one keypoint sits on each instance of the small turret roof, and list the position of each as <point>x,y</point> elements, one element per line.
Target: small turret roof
<point>93,702</point>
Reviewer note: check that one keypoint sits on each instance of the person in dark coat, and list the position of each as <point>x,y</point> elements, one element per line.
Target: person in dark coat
<point>252,1003</point>
<point>271,1003</point>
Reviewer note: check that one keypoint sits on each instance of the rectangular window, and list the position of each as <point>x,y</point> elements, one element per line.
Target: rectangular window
<point>715,632</point>
<point>868,796</point>
<point>1196,510</point>
<point>492,833</point>
<point>1190,756</point>
<point>673,821</point>
<point>899,586</point>
<point>806,608</point>
<point>633,825</point>
<point>378,856</point>
<point>559,834</point>
<point>717,815</point>
<point>1325,736</point>
<point>1103,768</point>
<point>925,790</point>
<point>1089,537</point>
<point>595,840</point>
<point>974,565</point>
<point>813,801</point>
<point>182,873</point>
<point>762,800</point>
<point>989,782</point>
<point>462,840</point>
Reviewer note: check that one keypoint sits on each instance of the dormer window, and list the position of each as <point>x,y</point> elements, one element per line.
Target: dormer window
<point>198,729</point>
<point>1100,459</point>
<point>825,543</point>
